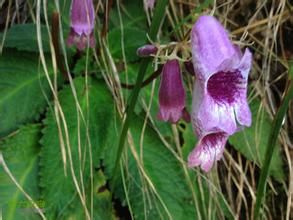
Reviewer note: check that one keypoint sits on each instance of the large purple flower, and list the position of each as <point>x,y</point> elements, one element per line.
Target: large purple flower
<point>219,105</point>
<point>82,24</point>
<point>172,94</point>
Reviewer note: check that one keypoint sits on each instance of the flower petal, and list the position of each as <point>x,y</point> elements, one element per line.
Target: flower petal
<point>173,115</point>
<point>81,41</point>
<point>211,46</point>
<point>245,64</point>
<point>242,112</point>
<point>82,16</point>
<point>171,93</point>
<point>210,116</point>
<point>208,150</point>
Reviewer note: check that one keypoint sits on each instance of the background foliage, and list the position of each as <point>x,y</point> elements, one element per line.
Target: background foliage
<point>59,138</point>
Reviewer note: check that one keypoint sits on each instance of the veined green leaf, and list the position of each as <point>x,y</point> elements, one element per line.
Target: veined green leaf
<point>161,191</point>
<point>133,38</point>
<point>24,37</point>
<point>58,189</point>
<point>20,153</point>
<point>24,90</point>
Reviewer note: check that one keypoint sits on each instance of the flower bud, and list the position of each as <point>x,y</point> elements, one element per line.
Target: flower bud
<point>147,50</point>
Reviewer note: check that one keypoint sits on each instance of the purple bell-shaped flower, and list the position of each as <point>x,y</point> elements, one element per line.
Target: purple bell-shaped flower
<point>219,105</point>
<point>172,94</point>
<point>82,24</point>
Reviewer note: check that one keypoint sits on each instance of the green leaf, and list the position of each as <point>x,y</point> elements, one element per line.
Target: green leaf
<point>85,63</point>
<point>189,138</point>
<point>103,208</point>
<point>133,38</point>
<point>271,148</point>
<point>252,141</point>
<point>59,191</point>
<point>132,14</point>
<point>132,34</point>
<point>24,90</point>
<point>24,37</point>
<point>20,153</point>
<point>163,170</point>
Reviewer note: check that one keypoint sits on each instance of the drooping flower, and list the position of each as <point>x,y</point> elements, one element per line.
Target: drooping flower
<point>82,17</point>
<point>147,50</point>
<point>219,105</point>
<point>149,4</point>
<point>172,94</point>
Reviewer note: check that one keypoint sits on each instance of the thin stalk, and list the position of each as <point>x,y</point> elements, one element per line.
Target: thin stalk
<point>271,146</point>
<point>157,19</point>
<point>147,81</point>
<point>55,40</point>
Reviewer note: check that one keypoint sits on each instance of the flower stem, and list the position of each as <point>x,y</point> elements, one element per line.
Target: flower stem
<point>271,146</point>
<point>147,81</point>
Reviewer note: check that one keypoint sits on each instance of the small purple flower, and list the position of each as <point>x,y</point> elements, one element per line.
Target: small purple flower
<point>82,24</point>
<point>219,105</point>
<point>149,4</point>
<point>147,50</point>
<point>172,94</point>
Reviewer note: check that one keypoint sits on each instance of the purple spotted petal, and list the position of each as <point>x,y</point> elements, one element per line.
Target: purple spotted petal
<point>209,116</point>
<point>82,24</point>
<point>171,93</point>
<point>208,150</point>
<point>219,103</point>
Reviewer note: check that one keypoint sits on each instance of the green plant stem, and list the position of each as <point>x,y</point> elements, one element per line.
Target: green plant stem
<point>157,19</point>
<point>271,146</point>
<point>147,81</point>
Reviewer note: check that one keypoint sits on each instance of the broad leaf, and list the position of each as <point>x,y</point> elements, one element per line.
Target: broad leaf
<point>102,201</point>
<point>252,142</point>
<point>20,153</point>
<point>127,30</point>
<point>132,39</point>
<point>167,193</point>
<point>24,90</point>
<point>24,37</point>
<point>59,191</point>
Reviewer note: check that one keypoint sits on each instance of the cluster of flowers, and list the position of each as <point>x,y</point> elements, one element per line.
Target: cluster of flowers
<point>219,105</point>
